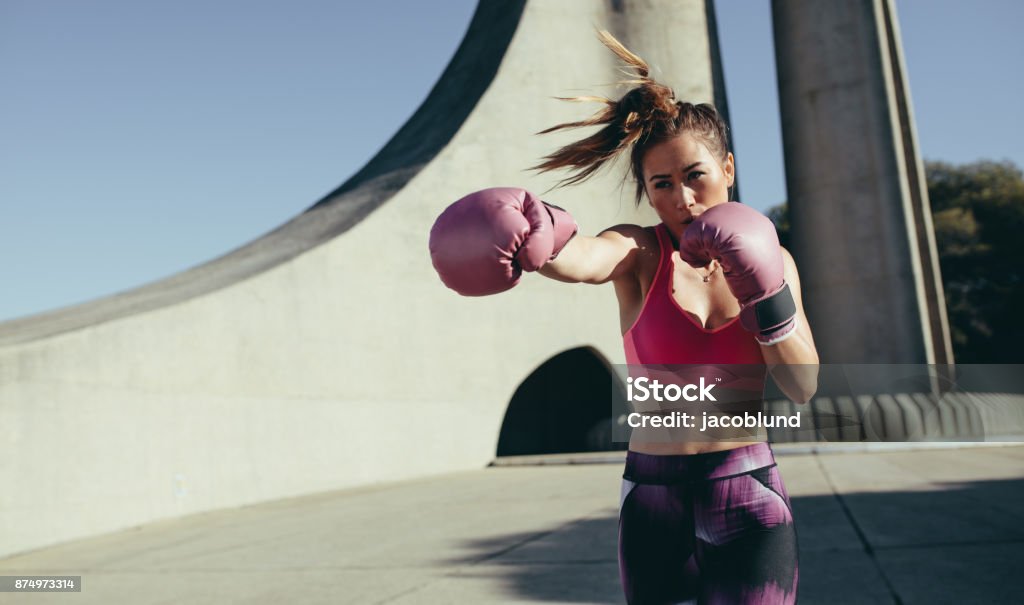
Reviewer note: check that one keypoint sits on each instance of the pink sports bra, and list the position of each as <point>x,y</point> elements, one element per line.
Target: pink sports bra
<point>665,334</point>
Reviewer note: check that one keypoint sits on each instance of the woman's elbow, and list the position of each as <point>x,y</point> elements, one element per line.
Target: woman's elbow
<point>798,382</point>
<point>807,386</point>
<point>803,397</point>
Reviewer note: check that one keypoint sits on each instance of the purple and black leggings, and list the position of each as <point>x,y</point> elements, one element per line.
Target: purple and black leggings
<point>707,528</point>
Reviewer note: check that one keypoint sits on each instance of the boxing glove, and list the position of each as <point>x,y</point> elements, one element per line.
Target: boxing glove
<point>746,244</point>
<point>482,243</point>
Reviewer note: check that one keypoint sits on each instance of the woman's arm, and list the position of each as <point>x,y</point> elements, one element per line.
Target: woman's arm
<point>794,361</point>
<point>609,256</point>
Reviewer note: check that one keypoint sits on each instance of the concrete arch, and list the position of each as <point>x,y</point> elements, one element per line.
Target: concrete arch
<point>327,354</point>
<point>427,132</point>
<point>565,405</point>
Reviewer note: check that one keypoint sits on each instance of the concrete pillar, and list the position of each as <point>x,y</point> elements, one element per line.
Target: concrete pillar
<point>858,204</point>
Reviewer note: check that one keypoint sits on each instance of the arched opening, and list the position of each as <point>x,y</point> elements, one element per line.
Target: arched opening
<point>568,404</point>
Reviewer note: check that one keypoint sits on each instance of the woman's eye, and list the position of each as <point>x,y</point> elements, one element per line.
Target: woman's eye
<point>662,184</point>
<point>695,175</point>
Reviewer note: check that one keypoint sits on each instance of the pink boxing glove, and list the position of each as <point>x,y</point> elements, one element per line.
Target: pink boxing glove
<point>746,244</point>
<point>482,243</point>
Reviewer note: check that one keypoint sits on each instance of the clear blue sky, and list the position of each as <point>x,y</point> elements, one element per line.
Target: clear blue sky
<point>138,138</point>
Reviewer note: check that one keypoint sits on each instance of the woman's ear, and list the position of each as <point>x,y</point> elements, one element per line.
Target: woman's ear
<point>729,168</point>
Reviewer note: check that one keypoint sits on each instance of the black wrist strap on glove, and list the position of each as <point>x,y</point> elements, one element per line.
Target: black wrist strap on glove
<point>775,310</point>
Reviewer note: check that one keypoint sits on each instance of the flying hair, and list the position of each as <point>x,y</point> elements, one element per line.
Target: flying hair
<point>646,115</point>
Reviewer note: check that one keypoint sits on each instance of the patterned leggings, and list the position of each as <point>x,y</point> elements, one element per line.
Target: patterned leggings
<point>707,528</point>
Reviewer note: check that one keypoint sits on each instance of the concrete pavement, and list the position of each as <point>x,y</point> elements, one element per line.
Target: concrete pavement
<point>922,526</point>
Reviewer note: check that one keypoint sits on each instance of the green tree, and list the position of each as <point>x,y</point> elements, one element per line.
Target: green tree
<point>978,215</point>
<point>978,211</point>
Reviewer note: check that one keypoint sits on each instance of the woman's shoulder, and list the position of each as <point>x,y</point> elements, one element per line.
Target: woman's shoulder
<point>644,238</point>
<point>641,247</point>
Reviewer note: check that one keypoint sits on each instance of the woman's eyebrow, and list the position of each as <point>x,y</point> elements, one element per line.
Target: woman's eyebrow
<point>665,176</point>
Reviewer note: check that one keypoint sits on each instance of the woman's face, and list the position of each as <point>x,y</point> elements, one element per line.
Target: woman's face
<point>683,179</point>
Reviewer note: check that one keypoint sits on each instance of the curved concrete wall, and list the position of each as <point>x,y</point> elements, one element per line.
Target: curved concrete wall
<point>327,354</point>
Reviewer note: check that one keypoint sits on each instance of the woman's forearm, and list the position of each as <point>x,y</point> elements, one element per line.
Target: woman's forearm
<point>793,364</point>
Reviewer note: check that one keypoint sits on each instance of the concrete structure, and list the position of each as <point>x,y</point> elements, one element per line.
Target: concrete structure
<point>862,231</point>
<point>327,354</point>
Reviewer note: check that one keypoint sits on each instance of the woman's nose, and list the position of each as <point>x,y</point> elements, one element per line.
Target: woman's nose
<point>684,198</point>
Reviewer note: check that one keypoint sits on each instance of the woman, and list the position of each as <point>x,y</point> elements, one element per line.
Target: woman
<point>700,520</point>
